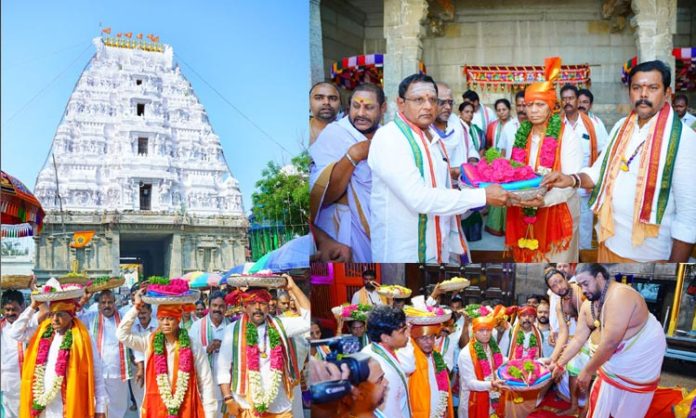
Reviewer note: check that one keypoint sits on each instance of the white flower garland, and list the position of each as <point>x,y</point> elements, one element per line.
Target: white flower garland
<point>258,395</point>
<point>165,389</point>
<point>441,404</point>
<point>40,397</point>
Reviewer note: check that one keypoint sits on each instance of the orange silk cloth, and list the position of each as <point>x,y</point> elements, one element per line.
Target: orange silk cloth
<point>545,91</point>
<point>419,387</point>
<point>479,401</point>
<point>78,387</point>
<point>153,407</point>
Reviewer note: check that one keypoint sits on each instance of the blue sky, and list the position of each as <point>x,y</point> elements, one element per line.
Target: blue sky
<point>255,53</point>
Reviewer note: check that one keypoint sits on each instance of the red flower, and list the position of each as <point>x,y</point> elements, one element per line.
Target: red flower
<point>62,362</point>
<point>529,219</point>
<point>186,360</point>
<point>42,355</point>
<point>277,358</point>
<point>253,357</point>
<point>547,154</point>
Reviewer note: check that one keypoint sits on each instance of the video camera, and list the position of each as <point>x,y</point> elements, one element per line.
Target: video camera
<point>344,350</point>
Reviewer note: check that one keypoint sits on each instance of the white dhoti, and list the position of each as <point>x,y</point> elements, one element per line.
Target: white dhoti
<point>10,404</point>
<point>138,393</point>
<point>626,383</point>
<point>118,394</point>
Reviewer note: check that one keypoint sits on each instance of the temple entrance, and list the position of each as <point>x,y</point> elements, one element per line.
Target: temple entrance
<point>151,252</point>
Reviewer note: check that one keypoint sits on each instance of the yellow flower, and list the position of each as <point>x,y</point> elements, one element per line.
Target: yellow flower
<point>533,244</point>
<point>518,399</point>
<point>522,243</point>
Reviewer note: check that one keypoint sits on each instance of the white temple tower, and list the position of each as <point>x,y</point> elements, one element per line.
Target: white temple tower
<point>137,161</point>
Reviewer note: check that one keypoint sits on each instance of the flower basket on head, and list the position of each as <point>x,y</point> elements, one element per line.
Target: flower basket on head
<point>454,284</point>
<point>73,277</point>
<point>394,291</point>
<point>475,310</point>
<point>53,291</point>
<point>163,291</point>
<point>15,281</point>
<point>429,315</point>
<point>524,375</point>
<point>105,283</point>
<point>271,281</point>
<point>358,312</point>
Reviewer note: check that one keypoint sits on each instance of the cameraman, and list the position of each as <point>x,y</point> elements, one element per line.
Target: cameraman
<point>364,398</point>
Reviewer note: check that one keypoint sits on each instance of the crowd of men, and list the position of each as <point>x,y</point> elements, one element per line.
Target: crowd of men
<point>596,336</point>
<point>393,192</point>
<point>120,341</point>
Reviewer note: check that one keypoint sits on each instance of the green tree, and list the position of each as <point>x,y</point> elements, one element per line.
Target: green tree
<point>282,195</point>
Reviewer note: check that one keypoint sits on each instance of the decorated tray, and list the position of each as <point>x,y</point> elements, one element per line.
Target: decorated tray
<point>191,297</point>
<point>257,280</point>
<point>523,375</point>
<point>394,291</point>
<point>105,283</point>
<point>15,281</point>
<point>76,278</point>
<point>454,284</point>
<point>357,312</point>
<point>433,315</point>
<point>58,295</point>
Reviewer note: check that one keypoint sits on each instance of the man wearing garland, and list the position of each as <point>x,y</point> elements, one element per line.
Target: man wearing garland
<point>208,331</point>
<point>592,140</point>
<point>479,393</point>
<point>11,352</point>
<point>261,352</point>
<point>430,394</point>
<point>413,203</point>
<point>642,186</point>
<point>143,326</point>
<point>62,374</point>
<point>525,340</point>
<point>545,228</point>
<point>115,357</point>
<point>388,332</point>
<point>178,380</point>
<point>628,359</point>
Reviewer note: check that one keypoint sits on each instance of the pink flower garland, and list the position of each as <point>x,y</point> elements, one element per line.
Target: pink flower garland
<point>547,153</point>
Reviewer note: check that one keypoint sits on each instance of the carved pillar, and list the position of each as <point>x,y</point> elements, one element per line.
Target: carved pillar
<point>656,23</point>
<point>403,31</point>
<point>175,255</point>
<point>114,244</point>
<point>316,48</point>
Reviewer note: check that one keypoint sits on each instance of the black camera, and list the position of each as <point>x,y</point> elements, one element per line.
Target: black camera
<point>343,350</point>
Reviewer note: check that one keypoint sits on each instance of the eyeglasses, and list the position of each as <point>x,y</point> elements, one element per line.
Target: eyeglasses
<point>444,102</point>
<point>420,101</point>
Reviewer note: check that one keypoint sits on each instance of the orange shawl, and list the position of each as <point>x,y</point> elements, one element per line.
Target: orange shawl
<point>479,402</point>
<point>419,387</point>
<point>153,407</point>
<point>78,387</point>
<point>553,228</point>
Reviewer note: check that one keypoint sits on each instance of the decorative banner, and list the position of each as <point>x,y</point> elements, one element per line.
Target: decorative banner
<point>513,78</point>
<point>17,231</point>
<point>81,239</point>
<point>352,71</point>
<point>684,73</point>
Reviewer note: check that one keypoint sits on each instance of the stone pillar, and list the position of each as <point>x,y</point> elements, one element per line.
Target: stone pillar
<point>403,31</point>
<point>114,242</point>
<point>175,255</point>
<point>316,48</point>
<point>656,23</point>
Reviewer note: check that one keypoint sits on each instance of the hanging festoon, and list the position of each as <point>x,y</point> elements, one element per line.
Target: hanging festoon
<point>684,69</point>
<point>22,214</point>
<point>352,71</point>
<point>503,78</point>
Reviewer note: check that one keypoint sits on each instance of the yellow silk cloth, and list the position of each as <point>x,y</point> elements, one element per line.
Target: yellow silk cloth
<point>419,387</point>
<point>79,399</point>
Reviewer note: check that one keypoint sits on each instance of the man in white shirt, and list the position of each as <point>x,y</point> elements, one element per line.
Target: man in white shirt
<point>680,103</point>
<point>413,204</point>
<point>388,332</point>
<point>585,100</point>
<point>510,128</point>
<point>483,115</point>
<point>209,331</point>
<point>145,324</point>
<point>643,192</point>
<point>114,355</point>
<point>12,352</point>
<point>264,369</point>
<point>592,140</point>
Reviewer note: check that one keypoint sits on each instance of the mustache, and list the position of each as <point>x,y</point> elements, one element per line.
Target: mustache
<point>643,101</point>
<point>582,108</point>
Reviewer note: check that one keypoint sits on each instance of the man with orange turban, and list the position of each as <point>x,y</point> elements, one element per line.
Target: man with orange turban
<point>178,380</point>
<point>479,395</point>
<point>546,227</point>
<point>62,371</point>
<point>261,354</point>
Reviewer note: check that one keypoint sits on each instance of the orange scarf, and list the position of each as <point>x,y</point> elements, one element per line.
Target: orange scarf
<point>589,127</point>
<point>553,228</point>
<point>153,407</point>
<point>78,387</point>
<point>419,387</point>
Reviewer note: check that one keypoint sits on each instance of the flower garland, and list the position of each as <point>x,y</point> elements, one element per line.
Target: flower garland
<point>442,385</point>
<point>483,359</point>
<point>519,348</point>
<point>546,158</point>
<point>356,312</point>
<point>173,402</point>
<point>475,310</point>
<point>261,399</point>
<point>41,397</point>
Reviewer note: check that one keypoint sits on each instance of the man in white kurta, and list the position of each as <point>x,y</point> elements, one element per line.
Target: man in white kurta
<point>413,204</point>
<point>114,356</point>
<point>482,115</point>
<point>448,126</point>
<point>24,328</point>
<point>209,331</point>
<point>145,325</point>
<point>11,353</point>
<point>204,378</point>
